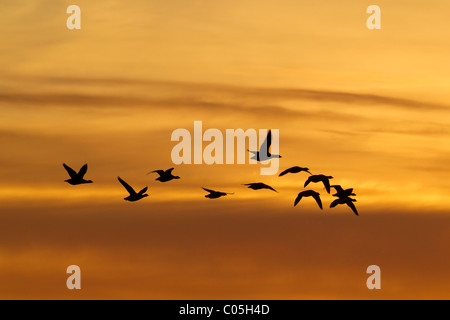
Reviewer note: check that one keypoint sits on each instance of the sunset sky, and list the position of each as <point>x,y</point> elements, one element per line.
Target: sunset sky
<point>369,107</point>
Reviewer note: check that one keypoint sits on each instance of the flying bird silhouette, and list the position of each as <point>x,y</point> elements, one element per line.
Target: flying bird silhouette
<point>165,176</point>
<point>345,200</point>
<point>295,169</point>
<point>258,186</point>
<point>77,178</point>
<point>320,178</point>
<point>214,194</point>
<point>134,196</point>
<point>264,153</point>
<point>341,193</point>
<point>309,193</point>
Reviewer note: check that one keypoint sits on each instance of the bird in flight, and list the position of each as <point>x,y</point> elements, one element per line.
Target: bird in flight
<point>264,153</point>
<point>345,200</point>
<point>77,178</point>
<point>320,178</point>
<point>134,196</point>
<point>165,175</point>
<point>309,193</point>
<point>341,193</point>
<point>214,194</point>
<point>258,186</point>
<point>295,169</point>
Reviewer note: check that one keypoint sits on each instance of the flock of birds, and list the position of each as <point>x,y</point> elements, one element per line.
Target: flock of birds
<point>343,195</point>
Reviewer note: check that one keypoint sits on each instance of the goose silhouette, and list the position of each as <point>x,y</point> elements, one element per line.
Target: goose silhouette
<point>77,178</point>
<point>165,176</point>
<point>341,193</point>
<point>345,200</point>
<point>258,186</point>
<point>309,193</point>
<point>295,169</point>
<point>134,196</point>
<point>320,178</point>
<point>264,153</point>
<point>215,194</point>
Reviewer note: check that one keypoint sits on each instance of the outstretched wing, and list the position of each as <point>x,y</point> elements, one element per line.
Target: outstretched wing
<point>83,171</point>
<point>326,183</point>
<point>297,200</point>
<point>269,187</point>
<point>160,172</point>
<point>352,206</point>
<point>170,170</point>
<point>143,191</point>
<point>290,170</point>
<point>209,190</point>
<point>266,144</point>
<point>307,182</point>
<point>317,198</point>
<point>127,186</point>
<point>70,171</point>
<point>338,188</point>
<point>335,203</point>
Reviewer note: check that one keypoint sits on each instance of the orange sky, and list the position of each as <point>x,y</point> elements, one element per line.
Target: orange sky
<point>368,107</point>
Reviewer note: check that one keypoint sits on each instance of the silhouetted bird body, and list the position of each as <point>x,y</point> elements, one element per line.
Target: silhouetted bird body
<point>134,196</point>
<point>295,169</point>
<point>345,200</point>
<point>340,192</point>
<point>320,178</point>
<point>77,178</point>
<point>309,193</point>
<point>166,175</point>
<point>259,185</point>
<point>264,152</point>
<point>215,194</point>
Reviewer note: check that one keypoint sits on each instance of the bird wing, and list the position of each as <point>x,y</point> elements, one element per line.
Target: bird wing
<point>352,206</point>
<point>160,172</point>
<point>143,191</point>
<point>83,171</point>
<point>269,187</point>
<point>290,170</point>
<point>170,170</point>
<point>209,190</point>
<point>335,203</point>
<point>349,192</point>
<point>127,186</point>
<point>326,183</point>
<point>70,171</point>
<point>297,200</point>
<point>317,198</point>
<point>338,188</point>
<point>266,144</point>
<point>307,182</point>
